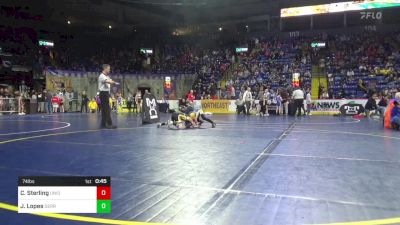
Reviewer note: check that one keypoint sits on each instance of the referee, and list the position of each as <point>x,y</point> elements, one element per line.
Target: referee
<point>298,96</point>
<point>104,87</point>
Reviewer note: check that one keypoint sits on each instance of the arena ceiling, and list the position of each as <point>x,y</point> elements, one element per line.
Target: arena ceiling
<point>158,12</point>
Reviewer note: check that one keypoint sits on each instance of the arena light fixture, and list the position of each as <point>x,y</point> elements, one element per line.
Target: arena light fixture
<point>109,27</point>
<point>220,28</point>
<point>338,7</point>
<point>69,22</point>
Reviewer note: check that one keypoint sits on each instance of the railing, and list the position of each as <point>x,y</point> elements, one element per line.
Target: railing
<point>8,105</point>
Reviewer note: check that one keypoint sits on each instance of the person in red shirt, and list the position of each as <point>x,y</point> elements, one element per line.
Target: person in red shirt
<point>190,96</point>
<point>55,101</point>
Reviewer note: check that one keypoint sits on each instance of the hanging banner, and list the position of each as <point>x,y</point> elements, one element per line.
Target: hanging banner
<point>169,88</point>
<point>55,83</point>
<point>296,80</point>
<point>318,107</point>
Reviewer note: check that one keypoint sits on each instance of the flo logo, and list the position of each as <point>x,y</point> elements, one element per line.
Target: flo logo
<point>371,15</point>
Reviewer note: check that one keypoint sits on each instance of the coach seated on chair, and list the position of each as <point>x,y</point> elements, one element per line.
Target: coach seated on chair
<point>371,106</point>
<point>182,102</point>
<point>93,105</point>
<point>163,105</point>
<point>383,103</point>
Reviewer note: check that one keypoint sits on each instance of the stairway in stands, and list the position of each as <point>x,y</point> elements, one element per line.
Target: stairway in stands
<point>228,74</point>
<point>318,77</point>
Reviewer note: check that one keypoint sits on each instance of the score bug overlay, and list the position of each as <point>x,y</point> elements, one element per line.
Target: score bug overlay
<point>47,194</point>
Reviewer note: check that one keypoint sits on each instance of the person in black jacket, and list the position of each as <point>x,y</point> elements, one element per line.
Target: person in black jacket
<point>48,97</point>
<point>84,103</point>
<point>41,102</point>
<point>383,102</point>
<point>370,106</point>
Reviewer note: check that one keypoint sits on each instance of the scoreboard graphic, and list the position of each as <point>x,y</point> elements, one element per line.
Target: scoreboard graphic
<point>64,194</point>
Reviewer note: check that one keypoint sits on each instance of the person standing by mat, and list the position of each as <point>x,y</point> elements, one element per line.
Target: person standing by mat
<point>298,96</point>
<point>247,99</point>
<point>308,102</point>
<point>104,88</point>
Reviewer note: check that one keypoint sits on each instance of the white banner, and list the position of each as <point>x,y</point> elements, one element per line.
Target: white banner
<point>323,106</point>
<point>333,105</point>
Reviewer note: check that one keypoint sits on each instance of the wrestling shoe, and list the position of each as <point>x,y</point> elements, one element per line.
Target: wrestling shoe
<point>158,125</point>
<point>214,125</point>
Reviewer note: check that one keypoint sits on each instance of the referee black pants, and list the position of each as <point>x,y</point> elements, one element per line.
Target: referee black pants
<point>105,109</point>
<point>248,105</point>
<point>299,105</point>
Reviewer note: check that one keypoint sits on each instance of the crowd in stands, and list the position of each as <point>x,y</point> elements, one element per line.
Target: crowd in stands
<point>355,65</point>
<point>21,42</point>
<point>64,101</point>
<point>17,40</point>
<point>270,65</point>
<point>213,65</point>
<point>123,60</point>
<point>177,59</point>
<point>359,65</point>
<point>169,59</point>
